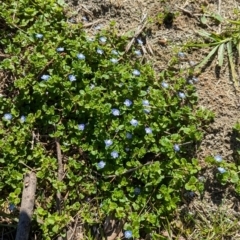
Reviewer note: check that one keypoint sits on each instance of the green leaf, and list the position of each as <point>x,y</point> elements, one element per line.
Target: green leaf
<point>221,54</point>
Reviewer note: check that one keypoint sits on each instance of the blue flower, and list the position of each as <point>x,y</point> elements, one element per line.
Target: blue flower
<point>7,116</point>
<point>98,27</point>
<point>148,130</point>
<point>136,72</point>
<point>128,234</point>
<point>221,170</point>
<point>81,126</point>
<point>72,78</point>
<point>181,54</point>
<point>127,103</point>
<point>23,119</point>
<point>11,207</point>
<point>134,122</point>
<point>140,42</point>
<point>194,79</point>
<point>218,158</point>
<point>128,135</point>
<point>113,60</point>
<point>138,53</point>
<point>45,77</point>
<point>101,164</point>
<point>176,147</point>
<point>84,18</point>
<point>181,95</point>
<point>60,49</point>
<point>39,35</point>
<point>80,56</point>
<point>127,149</point>
<point>99,51</point>
<point>103,39</point>
<point>108,142</point>
<point>115,112</point>
<point>190,81</point>
<point>164,85</point>
<point>145,102</point>
<point>147,110</point>
<point>114,154</point>
<point>92,86</point>
<point>115,52</point>
<point>137,191</point>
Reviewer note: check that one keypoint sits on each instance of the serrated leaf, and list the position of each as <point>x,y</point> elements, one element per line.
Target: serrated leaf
<point>218,17</point>
<point>232,66</point>
<point>221,54</point>
<point>206,59</point>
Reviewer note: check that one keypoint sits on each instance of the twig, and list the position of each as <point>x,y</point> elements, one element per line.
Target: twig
<point>74,228</point>
<point>92,23</point>
<point>137,33</point>
<point>60,176</point>
<point>27,205</point>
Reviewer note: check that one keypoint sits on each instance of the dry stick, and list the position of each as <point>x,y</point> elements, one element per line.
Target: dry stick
<point>60,176</point>
<point>27,205</point>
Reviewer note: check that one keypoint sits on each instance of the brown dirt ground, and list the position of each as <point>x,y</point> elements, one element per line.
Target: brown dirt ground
<point>215,88</point>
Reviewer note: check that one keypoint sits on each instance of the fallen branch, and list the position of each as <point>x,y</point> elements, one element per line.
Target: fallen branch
<point>27,205</point>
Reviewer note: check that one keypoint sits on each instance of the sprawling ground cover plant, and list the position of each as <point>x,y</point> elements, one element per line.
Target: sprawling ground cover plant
<point>125,134</point>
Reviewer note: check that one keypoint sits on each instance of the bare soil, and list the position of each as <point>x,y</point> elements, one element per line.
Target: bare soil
<point>163,38</point>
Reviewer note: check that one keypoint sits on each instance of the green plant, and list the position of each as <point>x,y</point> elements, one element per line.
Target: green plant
<point>227,42</point>
<point>121,131</point>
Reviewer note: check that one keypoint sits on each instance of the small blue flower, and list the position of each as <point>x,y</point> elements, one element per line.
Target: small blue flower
<point>92,86</point>
<point>72,78</point>
<point>103,39</point>
<point>113,60</point>
<point>108,142</point>
<point>164,85</point>
<point>138,53</point>
<point>101,164</point>
<point>221,170</point>
<point>134,122</point>
<point>145,102</point>
<point>98,27</point>
<point>39,35</point>
<point>148,130</point>
<point>127,103</point>
<point>99,51</point>
<point>127,149</point>
<point>115,112</point>
<point>7,116</point>
<point>128,234</point>
<point>190,81</point>
<point>23,119</point>
<point>194,79</point>
<point>128,135</point>
<point>181,95</point>
<point>137,191</point>
<point>60,49</point>
<point>80,56</point>
<point>81,126</point>
<point>140,42</point>
<point>147,110</point>
<point>84,19</point>
<point>115,52</point>
<point>11,207</point>
<point>114,154</point>
<point>176,148</point>
<point>218,158</point>
<point>45,77</point>
<point>181,54</point>
<point>136,72</point>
